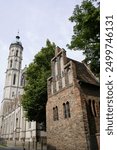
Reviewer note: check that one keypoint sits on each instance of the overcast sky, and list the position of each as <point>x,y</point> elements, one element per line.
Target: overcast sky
<point>37,21</point>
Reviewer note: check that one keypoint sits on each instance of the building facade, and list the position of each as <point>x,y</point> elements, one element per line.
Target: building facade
<point>15,129</point>
<point>72,110</point>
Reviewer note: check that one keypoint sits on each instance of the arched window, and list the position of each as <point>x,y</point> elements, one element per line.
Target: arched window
<point>16,122</point>
<point>14,79</point>
<point>57,117</point>
<point>11,63</point>
<point>22,83</point>
<point>66,110</point>
<point>56,67</point>
<point>55,113</point>
<point>16,53</point>
<point>15,65</point>
<point>19,64</point>
<point>69,76</point>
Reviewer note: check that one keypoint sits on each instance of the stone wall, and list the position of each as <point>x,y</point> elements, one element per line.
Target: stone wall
<point>66,133</point>
<point>72,83</point>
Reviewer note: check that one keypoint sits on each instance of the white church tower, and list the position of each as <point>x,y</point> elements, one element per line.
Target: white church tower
<point>13,84</point>
<point>14,126</point>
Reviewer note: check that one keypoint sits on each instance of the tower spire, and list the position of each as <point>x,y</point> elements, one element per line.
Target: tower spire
<point>17,36</point>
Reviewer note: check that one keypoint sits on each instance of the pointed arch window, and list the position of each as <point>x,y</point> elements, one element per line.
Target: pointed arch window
<point>69,75</point>
<point>22,83</point>
<point>66,110</point>
<point>16,53</point>
<point>14,79</point>
<point>15,63</point>
<point>57,118</point>
<point>55,113</point>
<point>16,122</point>
<point>19,64</point>
<point>11,63</point>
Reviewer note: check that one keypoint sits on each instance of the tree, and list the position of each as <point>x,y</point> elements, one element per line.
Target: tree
<point>87,32</point>
<point>35,92</point>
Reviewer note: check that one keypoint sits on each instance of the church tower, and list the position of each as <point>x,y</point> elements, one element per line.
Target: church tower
<point>15,129</point>
<point>12,86</point>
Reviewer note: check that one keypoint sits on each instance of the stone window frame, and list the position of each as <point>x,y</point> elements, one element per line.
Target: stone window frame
<point>67,71</point>
<point>14,79</point>
<point>17,122</point>
<point>16,54</point>
<point>22,81</point>
<point>12,50</point>
<point>15,63</point>
<point>66,110</point>
<point>19,64</point>
<point>55,113</point>
<point>11,63</point>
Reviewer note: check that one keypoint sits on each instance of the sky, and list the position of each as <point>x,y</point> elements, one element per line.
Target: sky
<point>36,21</point>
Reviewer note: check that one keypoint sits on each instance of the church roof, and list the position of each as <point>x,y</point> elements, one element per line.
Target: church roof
<point>84,74</point>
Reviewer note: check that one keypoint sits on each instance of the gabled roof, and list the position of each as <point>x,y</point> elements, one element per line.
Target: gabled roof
<point>84,74</point>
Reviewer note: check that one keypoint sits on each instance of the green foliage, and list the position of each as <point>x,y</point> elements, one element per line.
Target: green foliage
<point>35,92</point>
<point>87,32</point>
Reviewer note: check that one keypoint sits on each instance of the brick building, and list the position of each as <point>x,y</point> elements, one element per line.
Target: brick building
<point>72,110</point>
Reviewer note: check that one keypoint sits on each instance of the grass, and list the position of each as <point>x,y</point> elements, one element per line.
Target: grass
<point>3,145</point>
